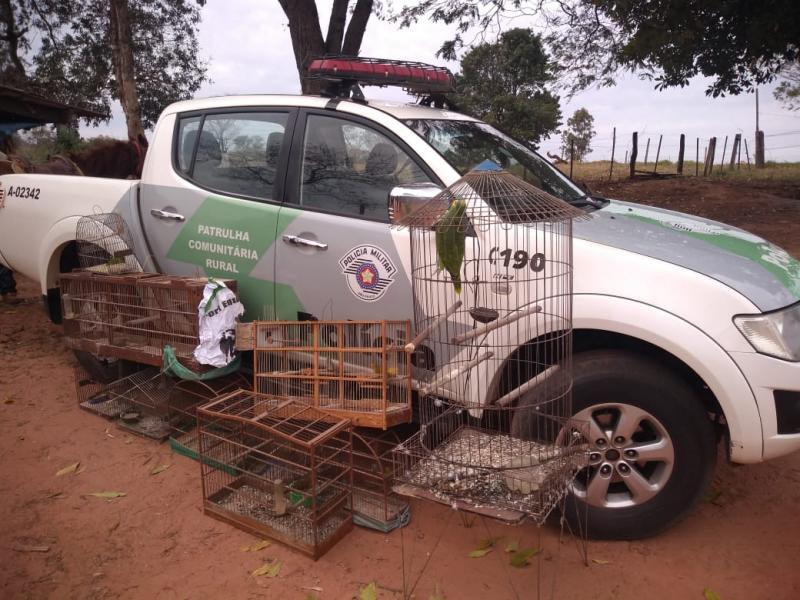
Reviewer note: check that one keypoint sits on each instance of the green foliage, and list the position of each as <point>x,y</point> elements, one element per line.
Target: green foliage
<point>735,43</point>
<point>71,59</point>
<point>577,137</point>
<point>504,84</point>
<point>39,144</point>
<point>788,90</point>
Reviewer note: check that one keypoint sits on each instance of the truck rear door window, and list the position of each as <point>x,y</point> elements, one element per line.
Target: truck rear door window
<point>235,153</point>
<point>349,168</point>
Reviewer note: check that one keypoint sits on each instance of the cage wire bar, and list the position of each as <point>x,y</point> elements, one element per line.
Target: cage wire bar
<point>184,400</point>
<point>278,469</point>
<point>491,260</point>
<point>104,244</point>
<point>375,504</point>
<point>357,370</point>
<point>133,316</point>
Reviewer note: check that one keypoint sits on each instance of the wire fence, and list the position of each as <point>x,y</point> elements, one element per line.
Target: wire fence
<point>659,153</point>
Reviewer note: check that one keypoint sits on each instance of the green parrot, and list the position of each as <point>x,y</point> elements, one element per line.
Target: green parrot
<point>451,238</point>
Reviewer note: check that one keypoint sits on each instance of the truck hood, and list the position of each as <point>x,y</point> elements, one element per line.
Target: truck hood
<point>762,272</point>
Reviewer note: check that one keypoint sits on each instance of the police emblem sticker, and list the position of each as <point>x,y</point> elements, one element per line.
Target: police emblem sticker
<point>369,272</point>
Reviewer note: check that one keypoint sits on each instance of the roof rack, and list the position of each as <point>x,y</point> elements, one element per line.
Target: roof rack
<point>345,75</point>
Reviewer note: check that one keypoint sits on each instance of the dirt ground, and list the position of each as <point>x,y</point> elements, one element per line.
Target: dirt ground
<point>57,541</point>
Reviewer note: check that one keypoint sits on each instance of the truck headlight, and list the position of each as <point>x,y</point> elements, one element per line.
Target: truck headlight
<point>774,334</point>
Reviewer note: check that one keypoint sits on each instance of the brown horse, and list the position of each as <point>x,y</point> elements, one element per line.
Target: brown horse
<point>107,158</point>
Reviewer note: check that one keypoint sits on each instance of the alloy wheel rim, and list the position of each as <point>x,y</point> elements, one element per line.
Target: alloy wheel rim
<point>630,458</point>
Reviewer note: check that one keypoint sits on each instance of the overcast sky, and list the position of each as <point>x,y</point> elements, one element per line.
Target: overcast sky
<point>247,46</point>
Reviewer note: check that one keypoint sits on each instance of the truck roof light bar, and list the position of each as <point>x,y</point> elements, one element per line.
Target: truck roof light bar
<point>346,73</point>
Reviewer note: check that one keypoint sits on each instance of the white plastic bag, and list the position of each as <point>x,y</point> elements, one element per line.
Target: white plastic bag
<point>218,312</point>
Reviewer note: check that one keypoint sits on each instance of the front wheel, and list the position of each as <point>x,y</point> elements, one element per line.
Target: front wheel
<point>652,447</point>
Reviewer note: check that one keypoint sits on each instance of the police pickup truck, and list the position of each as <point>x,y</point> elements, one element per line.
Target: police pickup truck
<point>686,331</point>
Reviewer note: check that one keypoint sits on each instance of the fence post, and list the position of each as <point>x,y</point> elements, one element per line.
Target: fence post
<point>658,153</point>
<point>613,146</point>
<point>634,152</point>
<point>736,141</point>
<point>759,149</point>
<point>571,156</point>
<point>746,153</point>
<point>625,162</point>
<point>722,156</point>
<point>646,151</point>
<point>681,148</point>
<point>708,167</point>
<point>697,158</point>
<point>739,157</point>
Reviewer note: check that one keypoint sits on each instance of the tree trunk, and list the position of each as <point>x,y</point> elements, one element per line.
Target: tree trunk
<point>306,36</point>
<point>306,33</point>
<point>122,53</point>
<point>12,37</point>
<point>357,27</point>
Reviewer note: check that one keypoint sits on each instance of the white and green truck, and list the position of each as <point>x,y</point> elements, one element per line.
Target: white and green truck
<point>686,331</point>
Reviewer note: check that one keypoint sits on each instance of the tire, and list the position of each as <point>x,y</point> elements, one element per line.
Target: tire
<point>659,417</point>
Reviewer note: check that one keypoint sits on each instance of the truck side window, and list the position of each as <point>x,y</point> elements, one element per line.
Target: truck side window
<point>237,153</point>
<point>349,168</point>
<point>187,133</point>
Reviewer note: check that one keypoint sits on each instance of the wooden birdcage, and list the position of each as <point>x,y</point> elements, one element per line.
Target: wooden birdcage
<point>132,316</point>
<point>356,370</point>
<point>491,268</point>
<point>375,504</point>
<point>277,468</point>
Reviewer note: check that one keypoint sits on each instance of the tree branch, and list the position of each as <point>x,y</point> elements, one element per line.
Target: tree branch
<point>357,27</point>
<point>333,41</point>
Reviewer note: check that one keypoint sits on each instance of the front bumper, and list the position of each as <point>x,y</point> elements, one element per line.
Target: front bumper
<point>766,375</point>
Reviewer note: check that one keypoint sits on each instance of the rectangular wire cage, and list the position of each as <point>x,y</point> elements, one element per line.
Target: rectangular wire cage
<point>88,390</point>
<point>138,402</point>
<point>357,370</point>
<point>132,316</point>
<point>185,398</point>
<point>278,469</point>
<point>375,504</point>
<point>486,463</point>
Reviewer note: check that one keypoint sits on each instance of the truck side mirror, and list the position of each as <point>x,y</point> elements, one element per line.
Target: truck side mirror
<point>405,199</point>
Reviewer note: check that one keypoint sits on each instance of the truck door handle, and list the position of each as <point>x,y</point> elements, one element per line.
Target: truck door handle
<point>163,214</point>
<point>298,241</point>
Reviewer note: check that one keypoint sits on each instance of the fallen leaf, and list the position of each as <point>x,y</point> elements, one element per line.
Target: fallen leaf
<point>160,469</point>
<point>713,497</point>
<point>710,594</point>
<point>31,548</point>
<point>258,546</point>
<point>8,401</point>
<point>311,597</point>
<point>486,543</point>
<point>270,569</point>
<point>313,588</point>
<point>479,553</point>
<point>520,558</point>
<point>107,495</point>
<point>437,593</point>
<point>600,561</point>
<point>368,592</point>
<point>68,469</point>
<point>56,496</point>
<point>512,546</point>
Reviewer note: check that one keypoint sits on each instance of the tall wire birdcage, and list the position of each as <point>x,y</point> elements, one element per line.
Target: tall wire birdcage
<point>491,264</point>
<point>104,244</point>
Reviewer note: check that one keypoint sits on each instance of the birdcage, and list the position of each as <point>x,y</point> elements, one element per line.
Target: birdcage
<point>357,370</point>
<point>375,504</point>
<point>88,390</point>
<point>184,400</point>
<point>138,401</point>
<point>491,260</point>
<point>132,316</point>
<point>277,468</point>
<point>104,244</point>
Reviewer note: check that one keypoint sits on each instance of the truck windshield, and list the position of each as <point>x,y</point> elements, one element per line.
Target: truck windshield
<point>465,144</point>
